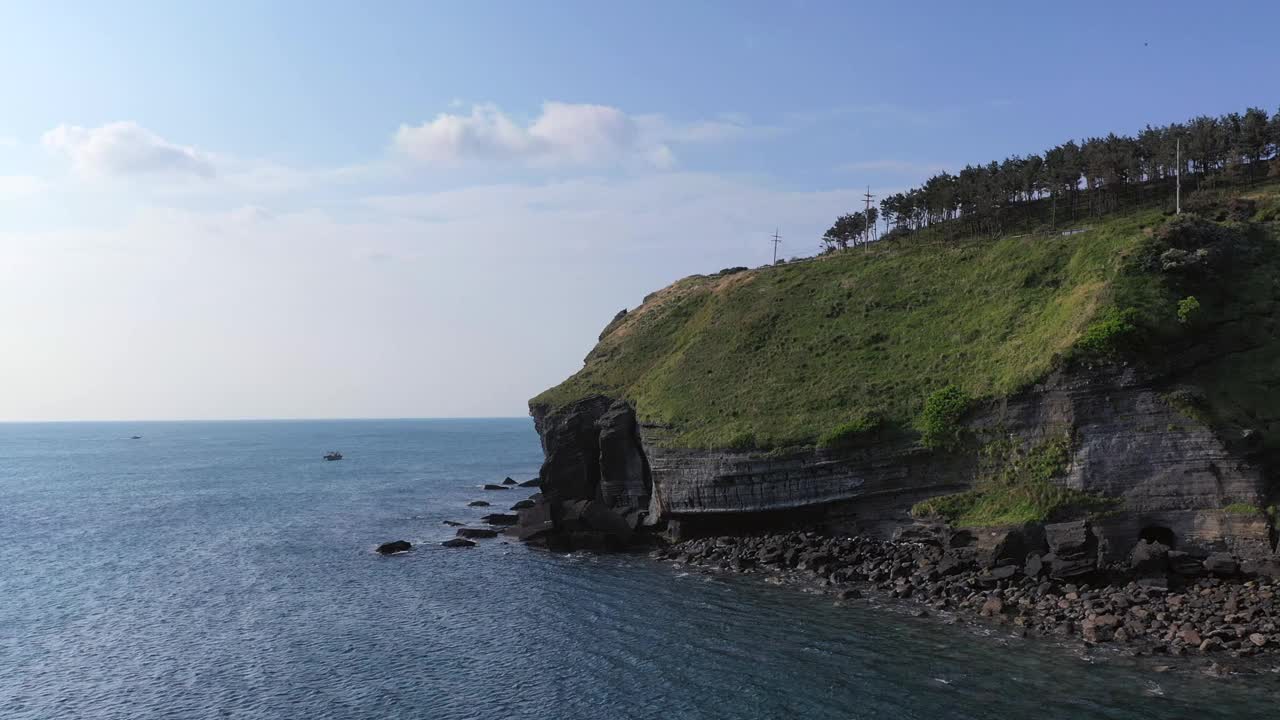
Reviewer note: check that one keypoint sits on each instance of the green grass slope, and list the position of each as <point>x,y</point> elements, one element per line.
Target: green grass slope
<point>786,355</point>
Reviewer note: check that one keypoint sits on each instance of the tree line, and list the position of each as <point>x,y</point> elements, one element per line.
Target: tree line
<point>1077,179</point>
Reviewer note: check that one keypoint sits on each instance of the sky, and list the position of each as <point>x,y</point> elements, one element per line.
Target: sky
<point>311,209</point>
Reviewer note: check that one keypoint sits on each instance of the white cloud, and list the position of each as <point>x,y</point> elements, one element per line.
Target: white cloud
<point>123,149</point>
<point>572,134</point>
<point>20,185</point>
<point>563,134</point>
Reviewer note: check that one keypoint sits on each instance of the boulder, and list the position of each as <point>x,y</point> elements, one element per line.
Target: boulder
<point>491,486</point>
<point>925,533</point>
<point>1185,563</point>
<point>458,543</point>
<point>535,482</point>
<point>1149,559</point>
<point>508,481</point>
<point>453,523</point>
<point>470,532</point>
<point>503,519</point>
<point>993,606</point>
<point>1265,567</point>
<point>1070,538</point>
<point>522,505</point>
<point>395,546</point>
<point>534,523</point>
<point>477,503</point>
<point>1222,565</point>
<point>1034,566</point>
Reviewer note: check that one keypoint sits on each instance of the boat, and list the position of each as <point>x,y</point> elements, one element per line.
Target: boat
<point>136,437</point>
<point>333,455</point>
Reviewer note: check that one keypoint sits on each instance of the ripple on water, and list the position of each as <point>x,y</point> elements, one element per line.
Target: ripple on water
<point>219,571</point>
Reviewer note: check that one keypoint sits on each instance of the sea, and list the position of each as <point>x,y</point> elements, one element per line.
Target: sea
<point>225,570</point>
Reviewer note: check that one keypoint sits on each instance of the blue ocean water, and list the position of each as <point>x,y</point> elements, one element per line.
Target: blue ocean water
<point>223,570</point>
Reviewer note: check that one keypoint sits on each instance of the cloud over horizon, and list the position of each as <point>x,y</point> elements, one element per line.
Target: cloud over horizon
<point>123,149</point>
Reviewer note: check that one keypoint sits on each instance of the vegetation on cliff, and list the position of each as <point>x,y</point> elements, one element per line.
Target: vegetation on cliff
<point>792,354</point>
<point>1016,487</point>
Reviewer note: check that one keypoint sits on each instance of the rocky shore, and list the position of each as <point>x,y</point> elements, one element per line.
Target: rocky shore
<point>1159,603</point>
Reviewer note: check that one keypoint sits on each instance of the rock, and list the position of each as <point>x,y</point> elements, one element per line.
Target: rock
<point>522,505</point>
<point>458,543</point>
<point>491,486</point>
<point>469,532</point>
<point>952,565</point>
<point>1064,567</point>
<point>849,594</point>
<point>1185,564</point>
<point>1004,572</point>
<point>1070,538</point>
<point>1189,636</point>
<point>502,519</point>
<point>453,523</point>
<point>1258,639</point>
<point>925,533</point>
<point>1221,564</point>
<point>477,503</point>
<point>535,482</point>
<point>395,546</point>
<point>1210,644</point>
<point>1149,559</point>
<point>508,481</point>
<point>1034,566</point>
<point>993,606</point>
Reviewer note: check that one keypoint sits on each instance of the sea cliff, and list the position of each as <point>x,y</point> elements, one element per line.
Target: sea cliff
<point>1079,396</point>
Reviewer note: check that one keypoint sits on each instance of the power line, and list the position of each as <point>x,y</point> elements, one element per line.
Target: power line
<point>866,218</point>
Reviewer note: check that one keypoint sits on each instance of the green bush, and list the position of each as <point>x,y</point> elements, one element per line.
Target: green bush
<point>742,441</point>
<point>1016,489</point>
<point>939,423</point>
<point>1109,336</point>
<point>1188,308</point>
<point>1239,508</point>
<point>852,433</point>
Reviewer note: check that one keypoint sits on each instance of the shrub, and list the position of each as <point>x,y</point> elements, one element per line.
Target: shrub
<point>1188,308</point>
<point>1109,335</point>
<point>1017,488</point>
<point>939,423</point>
<point>742,441</point>
<point>1239,508</point>
<point>852,433</point>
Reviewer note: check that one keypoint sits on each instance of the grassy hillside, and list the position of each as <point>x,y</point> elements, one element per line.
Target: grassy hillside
<point>782,355</point>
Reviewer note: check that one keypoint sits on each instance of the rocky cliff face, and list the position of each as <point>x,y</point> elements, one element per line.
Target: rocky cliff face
<point>604,477</point>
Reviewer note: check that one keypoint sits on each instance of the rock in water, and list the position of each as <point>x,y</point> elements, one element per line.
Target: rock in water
<point>453,523</point>
<point>468,532</point>
<point>522,505</point>
<point>491,486</point>
<point>535,482</point>
<point>508,481</point>
<point>458,543</point>
<point>477,503</point>
<point>396,546</point>
<point>502,519</point>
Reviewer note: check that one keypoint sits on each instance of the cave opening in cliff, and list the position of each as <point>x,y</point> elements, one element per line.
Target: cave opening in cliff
<point>1158,533</point>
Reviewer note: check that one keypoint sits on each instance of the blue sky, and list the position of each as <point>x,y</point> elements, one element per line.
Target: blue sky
<point>421,209</point>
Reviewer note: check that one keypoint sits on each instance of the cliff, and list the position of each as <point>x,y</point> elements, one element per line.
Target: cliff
<point>797,395</point>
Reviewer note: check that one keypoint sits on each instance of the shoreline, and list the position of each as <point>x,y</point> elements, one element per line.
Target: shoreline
<point>1223,627</point>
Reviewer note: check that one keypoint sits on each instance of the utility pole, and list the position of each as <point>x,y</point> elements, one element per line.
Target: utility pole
<point>866,218</point>
<point>1178,162</point>
<point>776,239</point>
